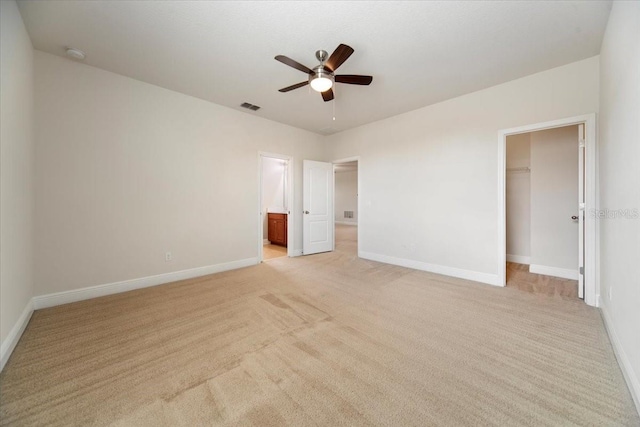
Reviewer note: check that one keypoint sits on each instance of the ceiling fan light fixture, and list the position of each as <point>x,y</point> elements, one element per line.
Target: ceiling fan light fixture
<point>321,84</point>
<point>321,80</point>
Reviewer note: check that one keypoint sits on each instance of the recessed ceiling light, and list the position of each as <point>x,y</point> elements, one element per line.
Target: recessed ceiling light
<point>75,53</point>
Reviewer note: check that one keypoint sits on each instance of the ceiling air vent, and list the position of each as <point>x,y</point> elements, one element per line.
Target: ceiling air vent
<point>249,106</point>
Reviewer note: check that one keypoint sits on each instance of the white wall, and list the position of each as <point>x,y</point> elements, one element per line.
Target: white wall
<point>127,171</point>
<point>429,177</point>
<point>518,198</point>
<point>346,195</point>
<point>619,171</point>
<point>16,173</point>
<point>554,198</point>
<point>273,188</point>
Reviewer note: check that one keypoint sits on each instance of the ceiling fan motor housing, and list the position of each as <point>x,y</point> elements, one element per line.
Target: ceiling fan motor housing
<point>321,72</point>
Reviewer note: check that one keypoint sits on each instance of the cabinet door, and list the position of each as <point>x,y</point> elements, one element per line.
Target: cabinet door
<point>279,227</point>
<point>272,230</point>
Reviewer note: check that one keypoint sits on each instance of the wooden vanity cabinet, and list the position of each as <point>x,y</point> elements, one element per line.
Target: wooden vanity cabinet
<point>277,232</point>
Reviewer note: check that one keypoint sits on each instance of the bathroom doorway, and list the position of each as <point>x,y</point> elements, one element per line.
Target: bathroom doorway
<point>275,200</point>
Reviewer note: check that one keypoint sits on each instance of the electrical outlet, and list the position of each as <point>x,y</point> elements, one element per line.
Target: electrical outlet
<point>168,256</point>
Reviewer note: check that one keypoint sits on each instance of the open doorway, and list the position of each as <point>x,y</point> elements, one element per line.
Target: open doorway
<point>542,208</point>
<point>565,212</point>
<point>346,206</point>
<point>275,193</point>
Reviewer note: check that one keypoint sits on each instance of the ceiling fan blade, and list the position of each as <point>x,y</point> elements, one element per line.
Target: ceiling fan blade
<point>327,95</point>
<point>353,79</point>
<point>337,58</point>
<point>291,63</point>
<point>295,86</point>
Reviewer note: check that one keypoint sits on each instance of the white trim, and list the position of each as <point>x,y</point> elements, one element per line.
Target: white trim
<point>65,297</point>
<point>265,242</point>
<point>591,287</point>
<point>564,273</point>
<point>348,160</point>
<point>10,342</point>
<point>295,252</point>
<point>490,279</point>
<point>519,259</point>
<point>623,360</point>
<point>591,268</point>
<point>346,223</point>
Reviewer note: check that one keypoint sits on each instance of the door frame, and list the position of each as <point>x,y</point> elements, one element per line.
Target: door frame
<point>347,160</point>
<point>591,282</point>
<point>289,194</point>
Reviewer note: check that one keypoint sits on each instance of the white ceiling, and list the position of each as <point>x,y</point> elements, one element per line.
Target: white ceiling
<point>419,53</point>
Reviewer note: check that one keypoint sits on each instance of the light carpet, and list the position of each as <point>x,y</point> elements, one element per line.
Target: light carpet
<point>327,340</point>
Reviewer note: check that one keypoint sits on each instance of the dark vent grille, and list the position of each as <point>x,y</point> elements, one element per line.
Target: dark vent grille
<point>250,106</point>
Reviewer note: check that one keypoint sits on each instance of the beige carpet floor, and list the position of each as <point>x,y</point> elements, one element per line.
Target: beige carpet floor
<point>327,340</point>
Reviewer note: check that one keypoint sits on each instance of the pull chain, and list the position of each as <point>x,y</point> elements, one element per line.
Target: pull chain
<point>334,103</point>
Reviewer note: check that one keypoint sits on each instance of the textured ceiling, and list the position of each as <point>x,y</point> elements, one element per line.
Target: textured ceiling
<point>419,53</point>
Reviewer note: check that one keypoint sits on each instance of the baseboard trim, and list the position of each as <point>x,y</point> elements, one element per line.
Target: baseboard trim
<point>519,259</point>
<point>345,223</point>
<point>490,279</point>
<point>266,242</point>
<point>59,298</point>
<point>633,383</point>
<point>9,344</point>
<point>563,273</point>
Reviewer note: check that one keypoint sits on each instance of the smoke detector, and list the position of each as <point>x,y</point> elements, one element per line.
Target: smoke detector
<point>75,53</point>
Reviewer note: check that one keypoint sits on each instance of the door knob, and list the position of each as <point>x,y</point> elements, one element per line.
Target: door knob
<point>306,212</point>
<point>575,218</point>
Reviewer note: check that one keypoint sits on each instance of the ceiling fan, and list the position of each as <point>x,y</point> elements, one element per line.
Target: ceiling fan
<point>322,77</point>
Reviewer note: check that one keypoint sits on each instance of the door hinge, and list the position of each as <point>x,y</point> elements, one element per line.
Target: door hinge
<point>581,143</point>
<point>581,271</point>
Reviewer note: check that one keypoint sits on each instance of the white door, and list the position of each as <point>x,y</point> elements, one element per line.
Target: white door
<point>581,210</point>
<point>317,207</point>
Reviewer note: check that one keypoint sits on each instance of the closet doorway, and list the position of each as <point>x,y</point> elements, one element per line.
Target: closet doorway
<point>547,182</point>
<point>543,230</point>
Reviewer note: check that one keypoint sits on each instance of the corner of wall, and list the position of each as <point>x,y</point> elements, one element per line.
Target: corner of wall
<point>10,342</point>
<point>619,154</point>
<point>630,376</point>
<point>17,181</point>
